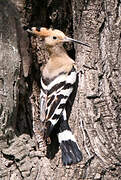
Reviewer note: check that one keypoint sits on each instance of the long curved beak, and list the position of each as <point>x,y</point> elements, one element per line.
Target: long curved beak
<point>67,39</point>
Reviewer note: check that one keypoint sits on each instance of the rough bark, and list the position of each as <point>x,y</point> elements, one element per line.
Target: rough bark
<point>96,113</point>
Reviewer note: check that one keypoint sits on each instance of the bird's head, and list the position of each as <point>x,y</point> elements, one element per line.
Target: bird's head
<point>53,37</point>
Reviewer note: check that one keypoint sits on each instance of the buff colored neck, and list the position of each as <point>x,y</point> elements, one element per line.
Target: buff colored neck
<point>58,62</point>
<point>57,50</point>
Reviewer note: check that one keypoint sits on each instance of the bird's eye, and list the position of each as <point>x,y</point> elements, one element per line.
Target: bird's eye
<point>54,37</point>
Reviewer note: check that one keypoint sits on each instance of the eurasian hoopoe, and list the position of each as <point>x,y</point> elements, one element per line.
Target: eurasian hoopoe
<point>58,78</point>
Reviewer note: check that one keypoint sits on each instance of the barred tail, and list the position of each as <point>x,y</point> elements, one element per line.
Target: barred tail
<point>71,153</point>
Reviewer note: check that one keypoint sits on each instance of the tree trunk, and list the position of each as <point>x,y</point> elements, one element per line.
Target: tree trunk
<point>96,113</point>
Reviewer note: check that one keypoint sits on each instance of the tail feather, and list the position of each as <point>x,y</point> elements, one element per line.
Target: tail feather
<point>71,153</point>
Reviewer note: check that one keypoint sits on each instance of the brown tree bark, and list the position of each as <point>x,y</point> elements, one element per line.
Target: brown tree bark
<point>96,113</point>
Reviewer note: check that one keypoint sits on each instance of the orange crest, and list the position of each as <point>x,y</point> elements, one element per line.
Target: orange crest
<point>44,32</point>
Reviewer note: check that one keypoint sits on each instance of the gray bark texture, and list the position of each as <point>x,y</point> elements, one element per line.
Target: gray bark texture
<point>96,113</point>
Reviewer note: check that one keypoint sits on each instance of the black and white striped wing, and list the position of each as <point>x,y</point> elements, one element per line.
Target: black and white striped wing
<point>43,105</point>
<point>56,94</point>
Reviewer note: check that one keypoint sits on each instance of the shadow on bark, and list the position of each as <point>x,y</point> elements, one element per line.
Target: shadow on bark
<point>14,36</point>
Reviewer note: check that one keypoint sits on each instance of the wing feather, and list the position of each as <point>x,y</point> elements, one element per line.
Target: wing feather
<point>54,99</point>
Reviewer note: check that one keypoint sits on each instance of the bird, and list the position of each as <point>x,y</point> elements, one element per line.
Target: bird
<point>58,78</point>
